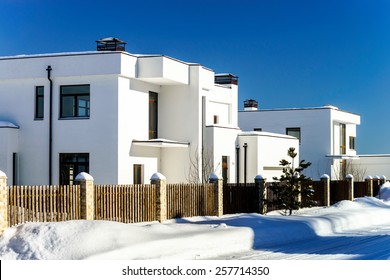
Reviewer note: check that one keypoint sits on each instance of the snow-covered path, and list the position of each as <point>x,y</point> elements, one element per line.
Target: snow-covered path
<point>371,244</point>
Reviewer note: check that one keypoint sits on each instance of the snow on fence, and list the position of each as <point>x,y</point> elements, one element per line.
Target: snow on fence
<point>157,201</point>
<point>122,203</point>
<point>43,204</point>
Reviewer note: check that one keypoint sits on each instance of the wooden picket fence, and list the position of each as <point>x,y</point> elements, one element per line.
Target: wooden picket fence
<point>43,204</point>
<point>120,203</point>
<point>139,203</point>
<point>187,200</point>
<point>125,203</point>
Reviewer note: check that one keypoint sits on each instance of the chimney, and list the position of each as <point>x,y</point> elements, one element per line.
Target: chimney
<point>110,44</point>
<point>225,79</point>
<point>250,105</point>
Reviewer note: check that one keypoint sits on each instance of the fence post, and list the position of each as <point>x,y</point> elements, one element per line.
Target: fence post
<point>87,195</point>
<point>325,179</point>
<point>218,193</point>
<point>369,185</point>
<point>3,202</point>
<point>161,184</point>
<point>382,179</point>
<point>349,179</point>
<point>260,185</point>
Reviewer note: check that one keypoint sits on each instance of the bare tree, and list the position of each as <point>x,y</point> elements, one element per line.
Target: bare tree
<point>201,166</point>
<point>349,167</point>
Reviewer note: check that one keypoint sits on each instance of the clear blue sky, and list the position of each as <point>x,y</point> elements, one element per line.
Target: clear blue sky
<point>286,53</point>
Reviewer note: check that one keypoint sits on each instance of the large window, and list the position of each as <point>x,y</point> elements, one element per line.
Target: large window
<point>153,115</point>
<point>75,101</point>
<point>295,132</point>
<point>72,164</point>
<point>39,102</point>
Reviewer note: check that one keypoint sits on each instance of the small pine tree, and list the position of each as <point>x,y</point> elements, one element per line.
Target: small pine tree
<point>293,189</point>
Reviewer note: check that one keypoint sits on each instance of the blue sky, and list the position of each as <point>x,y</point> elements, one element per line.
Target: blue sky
<point>286,53</point>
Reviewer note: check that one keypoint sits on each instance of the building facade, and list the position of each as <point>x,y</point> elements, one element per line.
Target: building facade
<point>120,117</point>
<point>327,135</point>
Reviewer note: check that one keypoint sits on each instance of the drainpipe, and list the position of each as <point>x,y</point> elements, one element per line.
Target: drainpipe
<point>245,161</point>
<point>237,164</point>
<point>50,122</point>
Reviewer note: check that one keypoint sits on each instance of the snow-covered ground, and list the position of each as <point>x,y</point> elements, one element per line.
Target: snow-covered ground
<point>347,230</point>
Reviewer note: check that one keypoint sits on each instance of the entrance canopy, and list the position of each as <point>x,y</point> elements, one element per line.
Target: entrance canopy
<point>161,143</point>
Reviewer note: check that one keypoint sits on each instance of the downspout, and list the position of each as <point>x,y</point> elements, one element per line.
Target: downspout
<point>245,161</point>
<point>50,122</point>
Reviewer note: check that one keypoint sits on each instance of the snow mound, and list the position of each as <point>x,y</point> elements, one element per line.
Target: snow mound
<point>194,238</point>
<point>385,191</point>
<point>74,240</point>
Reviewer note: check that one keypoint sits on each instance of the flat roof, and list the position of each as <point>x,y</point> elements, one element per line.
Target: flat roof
<point>326,107</point>
<point>24,56</point>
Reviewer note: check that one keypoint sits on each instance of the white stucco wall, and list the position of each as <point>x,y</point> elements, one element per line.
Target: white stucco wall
<point>119,113</point>
<point>222,141</point>
<point>264,152</point>
<point>17,88</point>
<point>373,165</point>
<point>9,138</point>
<point>162,70</point>
<point>318,135</point>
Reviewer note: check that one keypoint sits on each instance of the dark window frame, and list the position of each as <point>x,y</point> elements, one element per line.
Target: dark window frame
<point>153,115</point>
<point>78,162</point>
<point>138,174</point>
<point>352,143</point>
<point>39,98</point>
<point>76,97</point>
<point>343,138</point>
<point>295,129</point>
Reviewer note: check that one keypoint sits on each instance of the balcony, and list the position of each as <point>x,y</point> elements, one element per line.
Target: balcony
<point>162,70</point>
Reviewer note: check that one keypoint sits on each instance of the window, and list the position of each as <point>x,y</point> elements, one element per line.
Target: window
<point>153,115</point>
<point>72,164</point>
<point>39,101</point>
<point>343,140</point>
<point>257,129</point>
<point>352,141</point>
<point>295,132</point>
<point>138,174</point>
<point>75,101</point>
<point>15,166</point>
<point>225,169</point>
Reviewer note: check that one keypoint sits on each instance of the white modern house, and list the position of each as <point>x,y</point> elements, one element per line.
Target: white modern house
<point>122,117</point>
<point>327,135</point>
